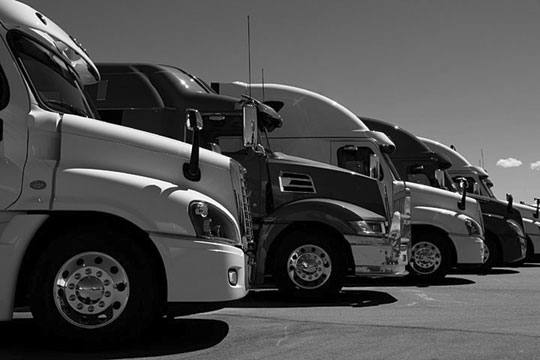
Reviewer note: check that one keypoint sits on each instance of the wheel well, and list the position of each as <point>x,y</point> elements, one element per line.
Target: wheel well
<point>440,232</point>
<point>309,226</point>
<point>61,222</point>
<point>497,242</point>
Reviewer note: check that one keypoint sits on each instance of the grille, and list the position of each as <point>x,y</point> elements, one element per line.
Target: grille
<point>246,210</point>
<point>242,201</point>
<point>294,182</point>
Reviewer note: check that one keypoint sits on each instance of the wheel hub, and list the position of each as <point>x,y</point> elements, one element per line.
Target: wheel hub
<point>426,256</point>
<point>309,266</point>
<point>91,290</point>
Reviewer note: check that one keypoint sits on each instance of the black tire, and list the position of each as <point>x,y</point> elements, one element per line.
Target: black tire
<point>94,287</point>
<point>491,254</point>
<point>324,270</point>
<point>430,257</point>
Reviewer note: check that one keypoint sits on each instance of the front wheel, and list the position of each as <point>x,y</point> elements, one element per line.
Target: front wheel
<point>491,254</point>
<point>430,257</point>
<point>309,264</point>
<point>94,287</point>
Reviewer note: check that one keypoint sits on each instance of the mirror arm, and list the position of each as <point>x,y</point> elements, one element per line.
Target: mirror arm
<point>463,202</point>
<point>191,170</point>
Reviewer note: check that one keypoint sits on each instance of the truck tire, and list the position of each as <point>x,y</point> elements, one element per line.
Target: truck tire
<point>94,287</point>
<point>309,264</point>
<point>491,254</point>
<point>430,257</point>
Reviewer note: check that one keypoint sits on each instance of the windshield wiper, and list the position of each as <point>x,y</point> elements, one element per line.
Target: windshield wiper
<point>59,105</point>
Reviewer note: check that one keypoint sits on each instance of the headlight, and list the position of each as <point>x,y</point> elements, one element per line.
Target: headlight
<point>473,228</point>
<point>211,222</point>
<point>516,227</point>
<point>369,228</point>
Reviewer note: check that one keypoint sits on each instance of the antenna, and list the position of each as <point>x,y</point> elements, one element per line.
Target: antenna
<point>482,157</point>
<point>249,56</point>
<point>262,70</point>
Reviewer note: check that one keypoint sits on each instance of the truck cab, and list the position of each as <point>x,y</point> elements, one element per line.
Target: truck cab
<point>519,218</point>
<point>101,233</point>
<point>319,128</point>
<point>314,223</point>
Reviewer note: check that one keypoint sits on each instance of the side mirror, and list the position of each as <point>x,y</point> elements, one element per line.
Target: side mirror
<point>475,188</point>
<point>537,212</point>
<point>441,178</point>
<point>194,122</point>
<point>510,200</point>
<point>249,119</point>
<point>374,166</point>
<point>462,185</point>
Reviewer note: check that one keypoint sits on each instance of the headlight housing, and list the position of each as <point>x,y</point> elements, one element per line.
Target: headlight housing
<point>473,228</point>
<point>369,228</point>
<point>210,222</point>
<point>516,227</point>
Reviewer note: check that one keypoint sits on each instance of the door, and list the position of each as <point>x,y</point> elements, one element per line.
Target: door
<point>14,111</point>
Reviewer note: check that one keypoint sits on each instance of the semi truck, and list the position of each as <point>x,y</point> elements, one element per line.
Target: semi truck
<point>319,128</point>
<point>505,241</point>
<point>314,223</point>
<point>101,232</point>
<point>480,186</point>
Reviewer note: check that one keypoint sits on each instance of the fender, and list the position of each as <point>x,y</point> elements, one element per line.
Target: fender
<point>17,230</point>
<point>449,221</point>
<point>333,213</point>
<point>508,240</point>
<point>150,204</point>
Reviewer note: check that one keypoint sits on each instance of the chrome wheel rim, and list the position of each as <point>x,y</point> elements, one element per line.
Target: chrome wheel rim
<point>91,290</point>
<point>426,257</point>
<point>309,266</point>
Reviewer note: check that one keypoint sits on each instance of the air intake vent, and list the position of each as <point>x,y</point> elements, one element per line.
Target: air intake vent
<point>294,182</point>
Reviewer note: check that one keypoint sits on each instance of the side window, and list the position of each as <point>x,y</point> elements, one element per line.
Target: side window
<point>419,179</point>
<point>471,188</point>
<point>4,90</point>
<point>354,158</point>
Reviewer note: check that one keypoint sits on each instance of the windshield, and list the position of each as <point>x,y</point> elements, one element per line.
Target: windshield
<point>51,79</point>
<point>190,82</point>
<point>485,189</point>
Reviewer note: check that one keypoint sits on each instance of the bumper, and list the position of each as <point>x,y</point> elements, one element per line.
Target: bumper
<point>469,250</point>
<point>198,271</point>
<point>377,259</point>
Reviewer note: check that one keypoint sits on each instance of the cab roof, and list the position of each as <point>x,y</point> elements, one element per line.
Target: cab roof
<point>15,15</point>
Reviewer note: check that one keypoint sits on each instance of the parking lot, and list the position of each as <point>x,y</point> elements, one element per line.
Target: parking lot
<point>493,316</point>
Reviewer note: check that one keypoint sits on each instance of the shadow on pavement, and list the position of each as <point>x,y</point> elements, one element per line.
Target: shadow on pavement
<point>494,271</point>
<point>19,339</point>
<point>272,298</point>
<point>407,282</point>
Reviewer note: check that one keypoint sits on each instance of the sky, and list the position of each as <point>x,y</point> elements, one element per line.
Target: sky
<point>463,72</point>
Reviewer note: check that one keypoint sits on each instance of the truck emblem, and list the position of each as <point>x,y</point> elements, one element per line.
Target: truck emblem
<point>38,185</point>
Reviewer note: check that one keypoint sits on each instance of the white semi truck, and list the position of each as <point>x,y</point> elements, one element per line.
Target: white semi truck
<point>101,232</point>
<point>447,230</point>
<point>480,185</point>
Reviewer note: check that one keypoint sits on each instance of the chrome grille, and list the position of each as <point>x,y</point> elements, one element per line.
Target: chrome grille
<point>238,174</point>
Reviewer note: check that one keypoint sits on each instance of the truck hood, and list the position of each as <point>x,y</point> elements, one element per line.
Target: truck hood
<point>93,144</point>
<point>321,180</point>
<point>423,195</point>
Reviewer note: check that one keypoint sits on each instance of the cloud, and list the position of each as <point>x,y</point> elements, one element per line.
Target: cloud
<point>535,166</point>
<point>510,162</point>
